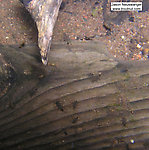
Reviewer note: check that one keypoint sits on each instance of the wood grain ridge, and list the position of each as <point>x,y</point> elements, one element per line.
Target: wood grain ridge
<point>86,101</point>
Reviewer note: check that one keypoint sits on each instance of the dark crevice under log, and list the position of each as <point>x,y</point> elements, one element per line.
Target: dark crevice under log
<point>83,99</point>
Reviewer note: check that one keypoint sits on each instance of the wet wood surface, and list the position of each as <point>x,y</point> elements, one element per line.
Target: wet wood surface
<point>83,99</point>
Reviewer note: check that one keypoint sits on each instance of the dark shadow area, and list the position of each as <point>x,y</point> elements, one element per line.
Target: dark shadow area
<point>28,22</point>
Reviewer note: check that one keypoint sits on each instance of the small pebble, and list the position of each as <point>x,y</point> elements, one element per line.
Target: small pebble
<point>138,46</point>
<point>132,141</point>
<point>131,19</point>
<point>96,3</point>
<point>122,37</point>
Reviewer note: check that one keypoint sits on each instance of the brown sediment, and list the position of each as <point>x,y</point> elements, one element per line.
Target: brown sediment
<point>82,20</point>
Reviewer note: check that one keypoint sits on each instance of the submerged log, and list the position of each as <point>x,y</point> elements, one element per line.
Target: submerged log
<point>18,68</point>
<point>83,99</point>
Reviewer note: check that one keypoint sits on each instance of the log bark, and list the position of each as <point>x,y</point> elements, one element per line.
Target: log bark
<point>84,99</point>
